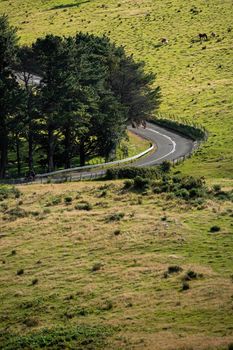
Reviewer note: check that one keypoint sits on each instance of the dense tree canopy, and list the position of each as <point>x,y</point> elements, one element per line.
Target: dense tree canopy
<point>87,92</point>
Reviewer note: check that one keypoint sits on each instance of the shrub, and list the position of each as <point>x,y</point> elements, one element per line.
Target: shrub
<point>103,194</point>
<point>31,322</point>
<point>141,183</point>
<point>107,306</point>
<point>16,213</point>
<point>216,188</point>
<point>174,269</point>
<point>190,275</point>
<point>165,167</point>
<point>182,193</point>
<point>68,200</point>
<point>230,346</point>
<point>13,252</point>
<point>131,173</point>
<point>188,130</point>
<point>115,217</point>
<point>34,281</point>
<point>189,182</point>
<point>96,267</point>
<point>117,232</point>
<point>128,184</point>
<point>196,193</point>
<point>9,192</point>
<point>185,286</point>
<point>83,206</point>
<point>54,201</point>
<point>20,272</point>
<point>215,228</point>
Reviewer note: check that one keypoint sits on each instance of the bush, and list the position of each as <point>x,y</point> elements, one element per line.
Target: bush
<point>215,228</point>
<point>141,183</point>
<point>20,272</point>
<point>131,173</point>
<point>16,213</point>
<point>31,322</point>
<point>174,269</point>
<point>107,306</point>
<point>182,193</point>
<point>8,192</point>
<point>54,201</point>
<point>185,286</point>
<point>34,281</point>
<point>128,184</point>
<point>192,131</point>
<point>165,167</point>
<point>190,275</point>
<point>190,182</point>
<point>84,206</point>
<point>216,188</point>
<point>115,217</point>
<point>96,267</point>
<point>68,200</point>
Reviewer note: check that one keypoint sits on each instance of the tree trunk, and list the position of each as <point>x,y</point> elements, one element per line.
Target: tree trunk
<point>82,153</point>
<point>30,149</point>
<point>67,148</point>
<point>3,153</point>
<point>18,155</point>
<point>50,149</point>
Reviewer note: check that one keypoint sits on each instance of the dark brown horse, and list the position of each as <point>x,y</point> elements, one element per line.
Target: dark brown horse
<point>203,36</point>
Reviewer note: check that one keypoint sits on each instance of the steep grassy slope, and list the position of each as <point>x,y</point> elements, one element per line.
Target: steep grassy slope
<point>109,272</point>
<point>196,78</point>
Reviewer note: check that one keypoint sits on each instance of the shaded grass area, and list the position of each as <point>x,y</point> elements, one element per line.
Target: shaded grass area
<point>195,76</point>
<point>112,266</point>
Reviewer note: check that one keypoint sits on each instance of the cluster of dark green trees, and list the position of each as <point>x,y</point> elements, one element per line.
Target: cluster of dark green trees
<point>64,97</point>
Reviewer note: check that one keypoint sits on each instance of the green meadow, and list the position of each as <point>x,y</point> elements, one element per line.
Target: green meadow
<point>93,265</point>
<point>195,77</point>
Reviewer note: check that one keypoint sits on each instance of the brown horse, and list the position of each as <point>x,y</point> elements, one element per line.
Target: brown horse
<point>203,36</point>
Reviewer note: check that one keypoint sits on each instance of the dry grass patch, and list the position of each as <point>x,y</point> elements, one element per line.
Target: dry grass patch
<point>77,270</point>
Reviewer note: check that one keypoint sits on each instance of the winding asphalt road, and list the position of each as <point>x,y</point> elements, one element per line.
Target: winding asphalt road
<point>169,145</point>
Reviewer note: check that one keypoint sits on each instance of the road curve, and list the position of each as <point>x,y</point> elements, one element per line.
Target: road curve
<point>169,146</point>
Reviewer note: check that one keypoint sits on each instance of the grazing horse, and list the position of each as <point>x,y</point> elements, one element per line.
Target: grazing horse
<point>203,36</point>
<point>164,41</point>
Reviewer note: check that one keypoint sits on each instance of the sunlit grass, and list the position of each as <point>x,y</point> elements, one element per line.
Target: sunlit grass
<point>195,77</point>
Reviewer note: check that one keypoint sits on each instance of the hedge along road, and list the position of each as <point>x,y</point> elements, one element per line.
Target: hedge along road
<point>169,146</point>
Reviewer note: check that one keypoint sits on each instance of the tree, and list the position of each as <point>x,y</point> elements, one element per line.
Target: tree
<point>49,53</point>
<point>29,109</point>
<point>9,89</point>
<point>134,87</point>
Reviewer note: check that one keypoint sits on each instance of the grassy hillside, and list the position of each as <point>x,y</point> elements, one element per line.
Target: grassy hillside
<point>196,78</point>
<point>109,272</point>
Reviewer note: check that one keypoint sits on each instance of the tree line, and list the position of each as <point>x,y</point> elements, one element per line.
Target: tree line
<point>66,98</point>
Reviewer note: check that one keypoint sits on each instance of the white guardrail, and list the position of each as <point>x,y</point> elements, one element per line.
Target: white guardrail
<point>94,166</point>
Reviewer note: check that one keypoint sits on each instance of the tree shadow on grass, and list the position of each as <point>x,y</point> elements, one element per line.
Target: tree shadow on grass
<point>65,6</point>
